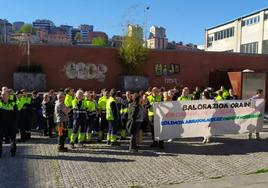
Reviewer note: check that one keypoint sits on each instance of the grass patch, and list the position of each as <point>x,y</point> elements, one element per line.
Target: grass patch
<point>216,177</point>
<point>259,171</point>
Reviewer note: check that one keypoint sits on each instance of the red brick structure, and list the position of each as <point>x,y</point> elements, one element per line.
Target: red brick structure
<point>97,34</point>
<point>164,67</point>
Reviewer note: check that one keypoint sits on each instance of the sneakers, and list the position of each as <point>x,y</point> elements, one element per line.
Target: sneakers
<point>72,145</point>
<point>170,140</point>
<point>62,149</point>
<point>206,140</point>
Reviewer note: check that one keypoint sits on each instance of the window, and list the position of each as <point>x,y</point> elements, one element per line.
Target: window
<point>224,34</point>
<point>251,21</point>
<point>265,16</point>
<point>210,40</point>
<point>251,48</point>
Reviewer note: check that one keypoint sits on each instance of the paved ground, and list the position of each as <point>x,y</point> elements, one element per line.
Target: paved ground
<point>248,181</point>
<point>38,164</point>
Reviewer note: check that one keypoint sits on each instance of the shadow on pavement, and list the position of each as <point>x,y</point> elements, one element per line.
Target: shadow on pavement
<point>117,152</point>
<point>78,158</point>
<point>218,146</point>
<point>14,170</point>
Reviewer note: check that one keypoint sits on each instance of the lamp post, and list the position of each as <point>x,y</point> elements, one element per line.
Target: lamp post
<point>145,24</point>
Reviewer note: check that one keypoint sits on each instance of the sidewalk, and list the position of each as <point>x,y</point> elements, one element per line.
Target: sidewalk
<point>246,181</point>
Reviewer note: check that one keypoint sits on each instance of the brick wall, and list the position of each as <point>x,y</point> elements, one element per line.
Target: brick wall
<point>181,68</point>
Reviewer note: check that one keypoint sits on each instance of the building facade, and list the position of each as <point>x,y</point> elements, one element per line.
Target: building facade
<point>58,36</point>
<point>116,41</point>
<point>157,38</point>
<point>17,25</point>
<point>97,34</point>
<point>5,31</point>
<point>84,30</point>
<point>43,24</point>
<point>68,30</point>
<point>246,34</point>
<point>135,31</point>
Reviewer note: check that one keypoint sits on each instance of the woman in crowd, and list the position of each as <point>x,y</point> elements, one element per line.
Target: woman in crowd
<point>135,118</point>
<point>48,114</point>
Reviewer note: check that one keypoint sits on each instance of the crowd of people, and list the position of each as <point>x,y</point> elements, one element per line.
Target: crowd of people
<point>85,116</point>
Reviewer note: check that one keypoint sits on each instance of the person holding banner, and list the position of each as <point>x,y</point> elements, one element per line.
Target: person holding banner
<point>259,95</point>
<point>154,97</point>
<point>206,96</point>
<point>232,96</point>
<point>185,95</point>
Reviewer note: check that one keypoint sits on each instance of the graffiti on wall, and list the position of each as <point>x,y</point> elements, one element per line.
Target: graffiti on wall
<point>85,71</point>
<point>174,81</point>
<point>166,69</point>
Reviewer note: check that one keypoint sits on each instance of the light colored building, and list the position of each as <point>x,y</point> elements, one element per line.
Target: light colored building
<point>157,32</point>
<point>157,38</point>
<point>84,30</point>
<point>157,43</point>
<point>246,34</point>
<point>135,31</point>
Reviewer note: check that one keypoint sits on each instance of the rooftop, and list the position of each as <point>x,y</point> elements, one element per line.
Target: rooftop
<point>238,18</point>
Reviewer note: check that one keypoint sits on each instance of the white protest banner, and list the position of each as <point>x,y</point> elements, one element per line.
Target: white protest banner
<point>197,118</point>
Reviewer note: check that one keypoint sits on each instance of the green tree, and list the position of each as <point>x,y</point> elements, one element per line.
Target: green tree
<point>78,37</point>
<point>132,54</point>
<point>29,31</point>
<point>99,41</point>
<point>27,28</point>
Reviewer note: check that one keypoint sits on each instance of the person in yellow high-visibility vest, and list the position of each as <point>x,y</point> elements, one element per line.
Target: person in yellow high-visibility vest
<point>8,125</point>
<point>219,96</point>
<point>91,112</point>
<point>112,116</point>
<point>102,111</point>
<point>154,97</point>
<point>21,115</point>
<point>225,93</point>
<point>185,95</point>
<point>69,93</point>
<point>79,118</point>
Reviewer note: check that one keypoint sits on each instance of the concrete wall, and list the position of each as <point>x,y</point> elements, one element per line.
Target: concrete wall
<point>96,68</point>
